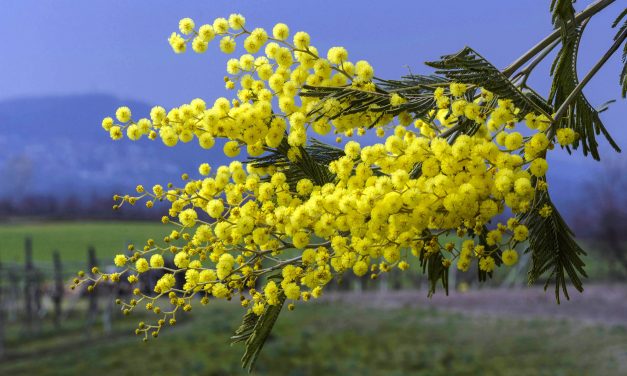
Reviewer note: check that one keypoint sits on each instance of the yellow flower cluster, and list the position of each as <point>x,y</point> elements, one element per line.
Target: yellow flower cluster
<point>262,83</point>
<point>239,224</point>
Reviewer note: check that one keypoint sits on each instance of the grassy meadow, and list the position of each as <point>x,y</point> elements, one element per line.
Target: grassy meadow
<point>111,237</point>
<point>320,339</point>
<point>73,238</point>
<point>315,339</point>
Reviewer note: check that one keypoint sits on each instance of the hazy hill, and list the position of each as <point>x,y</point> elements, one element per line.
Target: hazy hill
<point>54,146</point>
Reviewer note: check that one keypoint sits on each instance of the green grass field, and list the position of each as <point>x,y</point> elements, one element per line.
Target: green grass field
<point>73,238</point>
<point>319,339</point>
<point>110,237</point>
<point>316,339</point>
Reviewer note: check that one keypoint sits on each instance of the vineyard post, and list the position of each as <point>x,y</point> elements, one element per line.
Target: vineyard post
<point>92,309</point>
<point>13,292</point>
<point>416,281</point>
<point>1,313</point>
<point>452,278</point>
<point>57,295</point>
<point>107,312</point>
<point>38,295</point>
<point>363,284</point>
<point>396,280</point>
<point>28,284</point>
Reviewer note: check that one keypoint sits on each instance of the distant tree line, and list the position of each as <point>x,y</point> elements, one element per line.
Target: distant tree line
<point>602,217</point>
<point>43,206</point>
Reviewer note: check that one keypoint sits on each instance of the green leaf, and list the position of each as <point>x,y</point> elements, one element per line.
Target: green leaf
<point>354,100</point>
<point>538,100</point>
<point>419,99</point>
<point>563,16</point>
<point>414,81</point>
<point>468,67</point>
<point>553,248</point>
<point>417,90</point>
<point>580,116</point>
<point>621,29</point>
<point>431,264</point>
<point>313,163</point>
<point>255,330</point>
<point>246,328</point>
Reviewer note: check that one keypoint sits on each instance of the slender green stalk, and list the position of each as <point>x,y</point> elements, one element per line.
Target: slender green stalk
<point>524,73</point>
<point>571,97</point>
<point>450,131</point>
<point>593,9</point>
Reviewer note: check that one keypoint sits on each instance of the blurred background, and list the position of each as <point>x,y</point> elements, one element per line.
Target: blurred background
<point>67,64</point>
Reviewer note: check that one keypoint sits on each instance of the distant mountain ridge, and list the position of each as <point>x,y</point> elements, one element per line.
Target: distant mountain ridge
<point>56,146</point>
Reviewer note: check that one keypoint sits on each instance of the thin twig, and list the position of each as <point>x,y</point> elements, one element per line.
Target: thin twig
<point>450,131</point>
<point>585,14</point>
<point>526,71</point>
<point>571,97</point>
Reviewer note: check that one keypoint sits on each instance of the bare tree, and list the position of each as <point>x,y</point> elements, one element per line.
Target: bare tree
<point>605,214</point>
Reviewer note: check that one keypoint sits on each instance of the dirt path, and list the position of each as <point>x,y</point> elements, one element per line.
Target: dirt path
<point>598,304</point>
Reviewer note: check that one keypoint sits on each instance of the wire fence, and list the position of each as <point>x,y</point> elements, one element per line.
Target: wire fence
<point>33,293</point>
<point>36,292</point>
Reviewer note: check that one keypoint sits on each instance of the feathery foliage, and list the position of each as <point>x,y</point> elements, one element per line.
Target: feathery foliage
<point>312,163</point>
<point>467,66</point>
<point>580,115</point>
<point>416,89</point>
<point>563,17</point>
<point>621,30</point>
<point>553,249</point>
<point>433,267</point>
<point>255,330</point>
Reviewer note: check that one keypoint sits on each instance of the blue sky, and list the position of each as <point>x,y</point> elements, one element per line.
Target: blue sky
<point>119,47</point>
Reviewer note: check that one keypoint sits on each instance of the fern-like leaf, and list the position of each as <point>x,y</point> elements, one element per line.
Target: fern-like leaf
<point>621,29</point>
<point>553,249</point>
<point>563,17</point>
<point>312,164</point>
<point>417,93</point>
<point>580,116</point>
<point>354,100</point>
<point>255,330</point>
<point>468,67</point>
<point>260,333</point>
<point>245,330</point>
<point>432,265</point>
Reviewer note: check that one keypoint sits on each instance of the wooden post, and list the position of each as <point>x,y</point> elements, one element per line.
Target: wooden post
<point>28,284</point>
<point>13,292</point>
<point>452,278</point>
<point>107,312</point>
<point>363,282</point>
<point>396,279</point>
<point>92,309</point>
<point>57,293</point>
<point>417,280</point>
<point>384,281</point>
<point>1,313</point>
<point>347,280</point>
<point>38,295</point>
